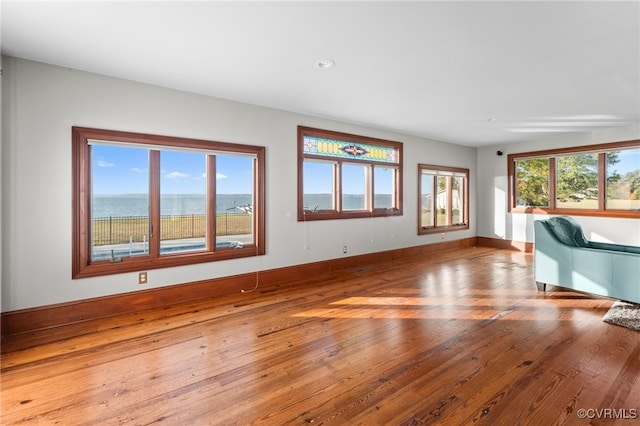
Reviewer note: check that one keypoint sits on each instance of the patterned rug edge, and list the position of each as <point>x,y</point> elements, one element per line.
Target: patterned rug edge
<point>624,314</point>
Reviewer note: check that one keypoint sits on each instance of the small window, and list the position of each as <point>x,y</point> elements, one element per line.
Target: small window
<point>119,202</point>
<point>345,176</point>
<point>384,182</point>
<point>532,177</point>
<point>623,180</point>
<point>444,200</point>
<point>144,201</point>
<point>577,181</point>
<point>355,179</point>
<point>183,204</point>
<point>319,193</point>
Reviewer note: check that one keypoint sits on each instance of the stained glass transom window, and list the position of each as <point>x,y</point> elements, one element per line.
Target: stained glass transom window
<point>345,176</point>
<point>313,145</point>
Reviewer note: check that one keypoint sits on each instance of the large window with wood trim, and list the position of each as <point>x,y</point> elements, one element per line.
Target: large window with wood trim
<point>145,201</point>
<point>596,180</point>
<point>343,176</point>
<point>444,199</point>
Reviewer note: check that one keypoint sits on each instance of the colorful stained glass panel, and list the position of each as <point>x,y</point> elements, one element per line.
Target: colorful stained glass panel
<point>313,145</point>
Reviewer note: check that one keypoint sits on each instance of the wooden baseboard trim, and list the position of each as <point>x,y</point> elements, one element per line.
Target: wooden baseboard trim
<point>505,244</point>
<point>15,323</point>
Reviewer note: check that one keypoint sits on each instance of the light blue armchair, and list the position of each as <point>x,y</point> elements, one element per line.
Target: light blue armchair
<point>565,258</point>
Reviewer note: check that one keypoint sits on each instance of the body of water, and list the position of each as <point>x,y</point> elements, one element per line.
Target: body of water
<point>186,204</point>
<point>350,202</point>
<point>174,204</point>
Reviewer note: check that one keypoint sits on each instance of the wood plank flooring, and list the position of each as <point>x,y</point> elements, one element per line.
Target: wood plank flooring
<point>460,337</point>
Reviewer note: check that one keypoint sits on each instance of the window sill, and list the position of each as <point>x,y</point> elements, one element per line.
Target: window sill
<point>135,264</point>
<point>576,212</point>
<point>441,229</point>
<point>356,214</point>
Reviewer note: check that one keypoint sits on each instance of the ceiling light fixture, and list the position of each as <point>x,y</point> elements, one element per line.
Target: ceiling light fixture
<point>326,63</point>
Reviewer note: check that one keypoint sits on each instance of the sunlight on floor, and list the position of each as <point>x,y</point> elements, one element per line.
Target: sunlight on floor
<point>526,307</point>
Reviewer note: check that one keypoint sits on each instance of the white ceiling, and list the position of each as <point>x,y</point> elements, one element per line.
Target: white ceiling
<point>473,73</point>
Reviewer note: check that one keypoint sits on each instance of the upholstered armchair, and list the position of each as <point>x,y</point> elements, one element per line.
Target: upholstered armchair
<point>565,258</point>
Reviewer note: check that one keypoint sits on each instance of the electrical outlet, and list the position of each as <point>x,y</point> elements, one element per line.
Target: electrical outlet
<point>344,249</point>
<point>442,236</point>
<point>142,278</point>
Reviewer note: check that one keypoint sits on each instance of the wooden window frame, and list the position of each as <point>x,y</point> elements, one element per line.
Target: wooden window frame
<point>446,228</point>
<point>551,154</point>
<point>82,264</point>
<point>338,212</point>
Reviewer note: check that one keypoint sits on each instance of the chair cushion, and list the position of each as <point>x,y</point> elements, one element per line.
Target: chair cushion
<point>568,231</point>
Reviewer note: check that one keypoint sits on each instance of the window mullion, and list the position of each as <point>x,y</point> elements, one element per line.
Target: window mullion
<point>369,188</point>
<point>396,194</point>
<point>449,200</point>
<point>337,181</point>
<point>258,226</point>
<point>602,181</point>
<point>434,201</point>
<point>552,182</point>
<point>210,202</point>
<point>82,159</point>
<point>154,203</point>
<point>464,209</point>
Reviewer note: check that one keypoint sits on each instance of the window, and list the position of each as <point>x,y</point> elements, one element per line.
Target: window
<point>144,201</point>
<point>532,178</point>
<point>623,180</point>
<point>444,199</point>
<point>343,176</point>
<point>597,180</point>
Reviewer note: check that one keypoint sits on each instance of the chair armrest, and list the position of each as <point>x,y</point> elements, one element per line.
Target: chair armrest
<point>614,247</point>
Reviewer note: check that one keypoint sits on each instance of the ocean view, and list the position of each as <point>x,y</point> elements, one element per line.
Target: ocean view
<point>187,204</point>
<point>173,204</point>
<point>351,201</point>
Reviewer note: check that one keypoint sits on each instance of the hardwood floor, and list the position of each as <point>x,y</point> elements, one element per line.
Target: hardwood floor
<point>461,337</point>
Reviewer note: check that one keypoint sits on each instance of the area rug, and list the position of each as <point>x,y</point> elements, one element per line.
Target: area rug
<point>624,314</point>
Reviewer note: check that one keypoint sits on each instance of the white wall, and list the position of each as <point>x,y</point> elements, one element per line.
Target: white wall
<point>2,138</point>
<point>495,222</point>
<point>40,105</point>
